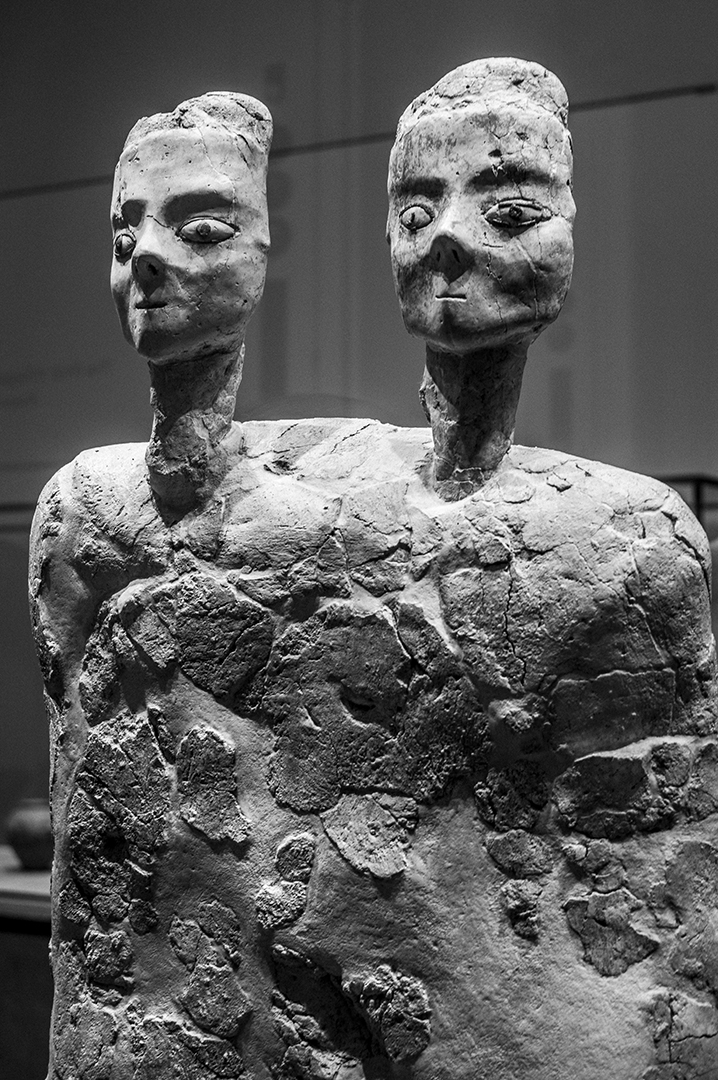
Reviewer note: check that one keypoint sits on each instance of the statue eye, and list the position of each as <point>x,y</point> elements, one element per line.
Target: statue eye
<point>206,231</point>
<point>415,217</point>
<point>124,245</point>
<point>516,214</point>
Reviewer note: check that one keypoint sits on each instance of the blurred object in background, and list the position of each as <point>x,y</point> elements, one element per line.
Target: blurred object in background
<point>29,833</point>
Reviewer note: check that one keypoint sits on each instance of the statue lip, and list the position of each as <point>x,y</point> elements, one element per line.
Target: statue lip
<point>146,305</point>
<point>451,296</point>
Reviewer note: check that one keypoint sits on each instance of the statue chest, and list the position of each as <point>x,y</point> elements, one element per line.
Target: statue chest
<point>378,642</point>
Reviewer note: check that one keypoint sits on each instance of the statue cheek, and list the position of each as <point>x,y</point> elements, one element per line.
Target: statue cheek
<point>552,245</point>
<point>410,269</point>
<point>510,270</point>
<point>554,268</point>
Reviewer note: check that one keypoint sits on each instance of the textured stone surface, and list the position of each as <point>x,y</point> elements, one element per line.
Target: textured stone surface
<point>207,787</point>
<point>369,836</point>
<point>377,753</point>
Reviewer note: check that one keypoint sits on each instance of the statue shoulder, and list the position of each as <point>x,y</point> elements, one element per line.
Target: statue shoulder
<point>88,518</point>
<point>91,488</point>
<point>652,506</point>
<point>628,498</point>
<point>634,551</point>
<point>84,546</point>
<point>605,511</point>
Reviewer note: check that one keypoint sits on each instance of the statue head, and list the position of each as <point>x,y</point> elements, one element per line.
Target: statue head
<point>480,206</point>
<point>191,234</point>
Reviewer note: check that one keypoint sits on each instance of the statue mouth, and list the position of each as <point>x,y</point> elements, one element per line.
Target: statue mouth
<point>451,296</point>
<point>148,305</point>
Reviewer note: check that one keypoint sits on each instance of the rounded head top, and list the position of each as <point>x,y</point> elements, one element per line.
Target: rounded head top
<point>503,77</point>
<point>242,117</point>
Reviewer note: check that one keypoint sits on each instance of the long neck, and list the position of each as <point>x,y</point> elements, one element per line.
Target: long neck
<point>192,436</point>
<point>471,401</point>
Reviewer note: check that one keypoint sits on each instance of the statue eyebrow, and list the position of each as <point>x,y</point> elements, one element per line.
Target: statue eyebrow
<point>194,202</point>
<point>430,186</point>
<point>129,212</point>
<point>505,169</point>
<point>177,207</point>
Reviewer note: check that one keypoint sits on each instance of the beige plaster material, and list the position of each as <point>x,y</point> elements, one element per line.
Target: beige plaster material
<point>378,753</point>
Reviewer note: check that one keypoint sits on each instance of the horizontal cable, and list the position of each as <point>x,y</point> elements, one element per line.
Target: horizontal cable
<point>362,140</point>
<point>648,95</point>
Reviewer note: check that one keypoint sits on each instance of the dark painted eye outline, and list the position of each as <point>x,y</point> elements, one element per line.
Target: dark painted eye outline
<point>206,230</point>
<point>415,217</point>
<point>123,245</point>
<point>516,214</point>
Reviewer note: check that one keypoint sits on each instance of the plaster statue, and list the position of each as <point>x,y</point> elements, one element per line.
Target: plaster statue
<point>377,752</point>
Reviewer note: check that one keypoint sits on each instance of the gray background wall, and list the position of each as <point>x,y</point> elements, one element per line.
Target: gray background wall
<point>627,375</point>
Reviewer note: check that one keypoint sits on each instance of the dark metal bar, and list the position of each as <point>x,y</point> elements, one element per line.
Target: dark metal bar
<point>649,95</point>
<point>56,187</point>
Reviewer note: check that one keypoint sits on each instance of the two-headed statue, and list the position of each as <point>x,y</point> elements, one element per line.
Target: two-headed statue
<point>378,753</point>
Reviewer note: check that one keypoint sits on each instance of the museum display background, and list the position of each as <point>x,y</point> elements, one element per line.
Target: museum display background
<point>628,375</point>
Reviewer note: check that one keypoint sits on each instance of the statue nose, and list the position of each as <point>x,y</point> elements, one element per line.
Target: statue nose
<point>449,256</point>
<point>149,272</point>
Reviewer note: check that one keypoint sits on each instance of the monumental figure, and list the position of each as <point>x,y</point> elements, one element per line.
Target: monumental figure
<point>377,752</point>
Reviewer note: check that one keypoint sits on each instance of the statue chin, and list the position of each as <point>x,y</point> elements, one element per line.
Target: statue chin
<point>459,342</point>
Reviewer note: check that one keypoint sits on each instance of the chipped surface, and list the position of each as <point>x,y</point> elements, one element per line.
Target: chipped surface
<point>369,837</point>
<point>603,923</point>
<point>207,787</point>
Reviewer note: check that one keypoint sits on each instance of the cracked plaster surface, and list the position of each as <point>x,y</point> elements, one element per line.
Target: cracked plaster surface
<point>449,746</point>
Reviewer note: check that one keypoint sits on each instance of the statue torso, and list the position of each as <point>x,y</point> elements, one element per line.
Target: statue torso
<point>353,775</point>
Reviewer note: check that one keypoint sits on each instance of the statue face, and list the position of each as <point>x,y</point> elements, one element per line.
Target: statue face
<point>190,243</point>
<point>480,215</point>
